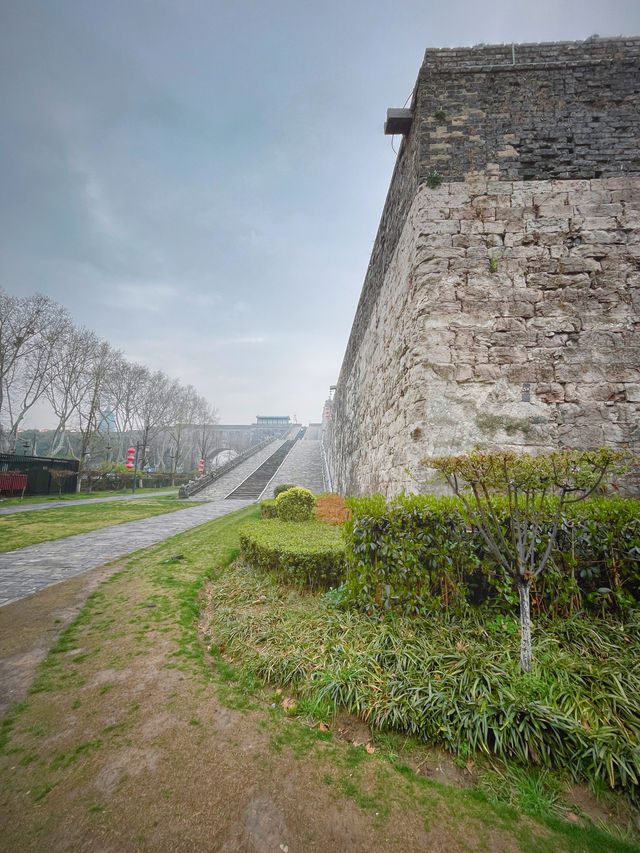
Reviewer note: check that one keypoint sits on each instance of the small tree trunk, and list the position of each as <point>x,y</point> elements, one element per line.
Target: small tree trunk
<point>524,590</point>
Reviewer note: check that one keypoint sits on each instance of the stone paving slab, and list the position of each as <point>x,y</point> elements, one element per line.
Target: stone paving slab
<point>31,569</point>
<point>9,510</point>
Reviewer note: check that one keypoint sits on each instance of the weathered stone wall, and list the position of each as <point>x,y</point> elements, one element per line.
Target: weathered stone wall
<point>498,309</point>
<point>498,292</point>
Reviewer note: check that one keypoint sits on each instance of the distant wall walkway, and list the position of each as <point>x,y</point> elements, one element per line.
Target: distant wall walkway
<point>219,489</point>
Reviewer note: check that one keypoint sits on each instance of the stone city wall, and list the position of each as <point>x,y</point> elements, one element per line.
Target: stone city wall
<point>509,317</point>
<point>563,110</point>
<point>500,307</point>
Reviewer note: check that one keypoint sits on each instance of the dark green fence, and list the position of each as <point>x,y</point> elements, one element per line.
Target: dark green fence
<point>38,470</point>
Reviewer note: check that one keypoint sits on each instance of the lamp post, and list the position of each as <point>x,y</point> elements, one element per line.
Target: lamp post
<point>173,457</point>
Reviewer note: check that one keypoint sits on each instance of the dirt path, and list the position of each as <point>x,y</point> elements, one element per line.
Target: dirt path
<point>137,737</point>
<point>29,628</point>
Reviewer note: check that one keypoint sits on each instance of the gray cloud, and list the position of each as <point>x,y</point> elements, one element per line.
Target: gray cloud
<point>201,182</point>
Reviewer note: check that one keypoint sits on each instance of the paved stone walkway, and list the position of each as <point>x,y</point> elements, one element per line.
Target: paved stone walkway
<point>302,467</point>
<point>9,510</point>
<point>31,569</point>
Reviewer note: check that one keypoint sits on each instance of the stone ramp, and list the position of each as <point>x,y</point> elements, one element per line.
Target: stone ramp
<point>302,467</point>
<point>254,485</point>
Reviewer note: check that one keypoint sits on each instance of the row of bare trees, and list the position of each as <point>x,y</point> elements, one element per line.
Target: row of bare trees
<point>93,390</point>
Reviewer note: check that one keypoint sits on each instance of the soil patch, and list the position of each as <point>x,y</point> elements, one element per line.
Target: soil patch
<point>31,626</point>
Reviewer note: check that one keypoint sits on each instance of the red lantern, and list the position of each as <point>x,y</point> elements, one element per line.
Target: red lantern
<point>201,466</point>
<point>131,455</point>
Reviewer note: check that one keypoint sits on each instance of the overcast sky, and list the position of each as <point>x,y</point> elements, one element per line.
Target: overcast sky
<point>201,182</point>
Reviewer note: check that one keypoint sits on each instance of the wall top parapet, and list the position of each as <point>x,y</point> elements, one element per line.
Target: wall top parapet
<point>530,55</point>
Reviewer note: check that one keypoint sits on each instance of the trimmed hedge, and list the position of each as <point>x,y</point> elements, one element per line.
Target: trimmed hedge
<point>308,554</point>
<point>418,555</point>
<point>295,504</point>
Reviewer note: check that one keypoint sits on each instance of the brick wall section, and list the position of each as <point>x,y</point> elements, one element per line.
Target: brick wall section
<point>454,336</point>
<point>404,185</point>
<point>566,110</point>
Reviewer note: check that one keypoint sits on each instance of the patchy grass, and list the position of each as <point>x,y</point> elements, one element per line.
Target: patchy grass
<point>30,528</point>
<point>412,678</point>
<point>187,722</point>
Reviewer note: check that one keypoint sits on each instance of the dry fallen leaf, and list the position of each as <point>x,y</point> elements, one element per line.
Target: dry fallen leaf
<point>288,704</point>
<point>323,727</point>
<point>586,726</point>
<point>370,749</point>
<point>279,690</point>
<point>460,646</point>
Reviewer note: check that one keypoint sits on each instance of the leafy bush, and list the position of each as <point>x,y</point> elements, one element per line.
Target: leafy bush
<point>452,682</point>
<point>419,554</point>
<point>268,508</point>
<point>413,556</point>
<point>295,504</point>
<point>279,489</point>
<point>332,509</point>
<point>308,554</point>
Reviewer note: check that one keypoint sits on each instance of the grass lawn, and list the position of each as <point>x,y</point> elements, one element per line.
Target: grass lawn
<point>81,496</point>
<point>44,525</point>
<point>146,730</point>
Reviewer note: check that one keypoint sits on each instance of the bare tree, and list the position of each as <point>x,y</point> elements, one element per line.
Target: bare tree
<point>153,408</point>
<point>59,475</point>
<point>122,391</point>
<point>30,332</point>
<point>100,362</point>
<point>184,407</point>
<point>69,381</point>
<point>205,416</point>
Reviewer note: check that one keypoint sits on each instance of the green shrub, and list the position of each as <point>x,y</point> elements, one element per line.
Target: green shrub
<point>295,504</point>
<point>279,489</point>
<point>308,554</point>
<point>268,508</point>
<point>419,555</point>
<point>449,681</point>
